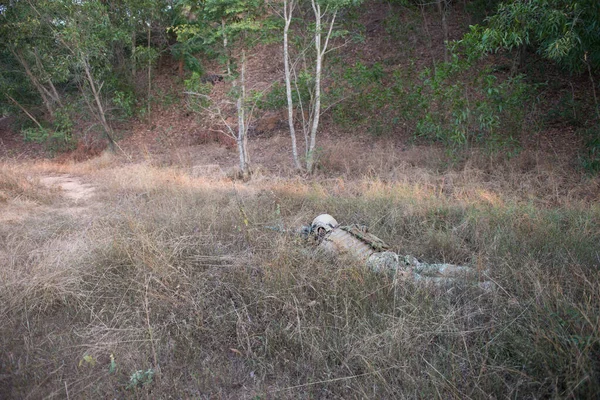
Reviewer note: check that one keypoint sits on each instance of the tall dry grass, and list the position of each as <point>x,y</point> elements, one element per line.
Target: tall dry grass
<point>179,274</point>
<point>18,184</point>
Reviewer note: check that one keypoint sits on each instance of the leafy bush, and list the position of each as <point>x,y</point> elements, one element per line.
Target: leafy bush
<point>57,138</point>
<point>590,160</point>
<point>198,92</point>
<point>363,89</point>
<point>563,31</point>
<point>455,103</point>
<point>141,378</point>
<point>125,101</point>
<point>477,108</point>
<point>274,99</point>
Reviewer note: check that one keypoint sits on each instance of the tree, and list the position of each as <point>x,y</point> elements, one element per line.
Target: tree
<point>443,7</point>
<point>62,45</point>
<point>564,31</point>
<point>139,19</point>
<point>324,14</point>
<point>28,40</point>
<point>323,17</point>
<point>288,11</point>
<point>88,34</point>
<point>234,24</point>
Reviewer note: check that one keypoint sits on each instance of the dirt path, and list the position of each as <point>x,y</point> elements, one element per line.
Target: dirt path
<point>79,198</point>
<point>71,186</point>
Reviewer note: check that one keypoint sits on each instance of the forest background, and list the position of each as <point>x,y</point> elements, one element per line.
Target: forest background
<point>480,74</point>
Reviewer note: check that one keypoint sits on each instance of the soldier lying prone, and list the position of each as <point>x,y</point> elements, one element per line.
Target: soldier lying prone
<point>359,243</point>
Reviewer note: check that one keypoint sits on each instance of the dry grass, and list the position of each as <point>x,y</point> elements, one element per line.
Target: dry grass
<point>17,183</point>
<point>164,273</point>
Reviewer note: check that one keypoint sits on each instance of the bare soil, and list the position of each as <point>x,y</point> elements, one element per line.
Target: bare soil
<point>77,198</point>
<point>72,187</point>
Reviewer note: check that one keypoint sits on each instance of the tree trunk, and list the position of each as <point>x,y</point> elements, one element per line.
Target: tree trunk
<point>55,96</point>
<point>26,112</point>
<point>149,66</point>
<point>96,93</point>
<point>225,47</point>
<point>242,139</point>
<point>443,9</point>
<point>53,93</point>
<point>428,35</point>
<point>310,156</point>
<point>288,82</point>
<point>320,49</point>
<point>133,63</point>
<point>589,68</point>
<point>44,93</point>
<point>518,60</point>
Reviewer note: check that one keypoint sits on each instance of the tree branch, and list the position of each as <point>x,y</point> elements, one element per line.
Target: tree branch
<point>25,111</point>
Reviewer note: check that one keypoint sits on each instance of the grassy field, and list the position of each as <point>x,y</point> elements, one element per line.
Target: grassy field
<point>166,286</point>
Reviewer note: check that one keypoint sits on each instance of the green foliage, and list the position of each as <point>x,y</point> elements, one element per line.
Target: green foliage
<point>141,378</point>
<point>274,99</point>
<point>304,86</point>
<point>47,45</point>
<point>477,108</point>
<point>145,55</point>
<point>193,38</point>
<point>53,140</point>
<point>590,160</point>
<point>339,4</point>
<point>206,25</point>
<point>28,35</point>
<point>198,99</point>
<point>126,102</point>
<point>365,90</point>
<point>88,33</point>
<point>402,30</point>
<point>56,138</point>
<point>565,31</point>
<point>456,103</point>
<point>360,75</point>
<point>112,367</point>
<point>479,10</point>
<point>36,134</point>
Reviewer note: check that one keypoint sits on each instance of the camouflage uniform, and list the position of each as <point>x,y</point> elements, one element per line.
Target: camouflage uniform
<point>358,242</point>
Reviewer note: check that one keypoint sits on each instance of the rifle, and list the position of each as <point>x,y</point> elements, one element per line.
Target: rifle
<point>303,231</point>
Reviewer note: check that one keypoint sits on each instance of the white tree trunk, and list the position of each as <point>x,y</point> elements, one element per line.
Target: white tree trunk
<point>149,66</point>
<point>321,48</point>
<point>133,42</point>
<point>225,46</point>
<point>310,156</point>
<point>288,83</point>
<point>242,138</point>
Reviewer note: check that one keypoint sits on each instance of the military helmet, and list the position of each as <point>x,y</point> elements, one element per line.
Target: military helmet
<point>324,223</point>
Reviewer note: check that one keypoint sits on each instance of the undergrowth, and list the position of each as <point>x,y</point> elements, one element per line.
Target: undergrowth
<point>16,184</point>
<point>172,286</point>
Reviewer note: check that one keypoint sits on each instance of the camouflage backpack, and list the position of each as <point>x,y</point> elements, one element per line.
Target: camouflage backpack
<point>361,232</point>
